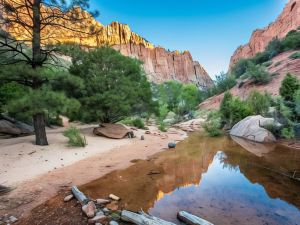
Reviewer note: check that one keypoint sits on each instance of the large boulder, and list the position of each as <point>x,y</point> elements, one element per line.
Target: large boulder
<point>115,131</point>
<point>254,128</point>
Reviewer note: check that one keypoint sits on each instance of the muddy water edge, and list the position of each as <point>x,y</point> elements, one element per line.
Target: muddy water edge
<point>223,180</point>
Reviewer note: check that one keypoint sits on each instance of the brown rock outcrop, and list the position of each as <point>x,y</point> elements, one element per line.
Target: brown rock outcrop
<point>288,20</point>
<point>159,64</point>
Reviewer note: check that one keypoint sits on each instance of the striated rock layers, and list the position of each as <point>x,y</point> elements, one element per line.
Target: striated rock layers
<point>159,64</point>
<point>288,20</point>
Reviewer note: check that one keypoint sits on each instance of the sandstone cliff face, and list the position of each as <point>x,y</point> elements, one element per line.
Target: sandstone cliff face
<point>159,64</point>
<point>288,20</point>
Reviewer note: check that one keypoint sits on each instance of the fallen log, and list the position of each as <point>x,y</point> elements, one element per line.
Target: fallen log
<point>142,219</point>
<point>191,219</point>
<point>79,195</point>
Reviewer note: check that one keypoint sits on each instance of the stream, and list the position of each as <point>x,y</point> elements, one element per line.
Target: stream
<point>222,180</point>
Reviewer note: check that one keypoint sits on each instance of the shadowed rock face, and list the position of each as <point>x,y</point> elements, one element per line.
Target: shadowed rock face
<point>160,65</point>
<point>288,20</point>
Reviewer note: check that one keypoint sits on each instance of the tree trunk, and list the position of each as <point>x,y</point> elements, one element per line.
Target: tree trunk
<point>40,130</point>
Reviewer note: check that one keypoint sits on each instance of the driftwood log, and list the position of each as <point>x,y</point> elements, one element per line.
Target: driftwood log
<point>142,218</point>
<point>79,195</point>
<point>191,219</point>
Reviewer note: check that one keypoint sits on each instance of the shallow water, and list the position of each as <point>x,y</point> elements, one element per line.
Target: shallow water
<point>214,178</point>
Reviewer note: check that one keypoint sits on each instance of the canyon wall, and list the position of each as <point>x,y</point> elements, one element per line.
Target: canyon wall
<point>288,20</point>
<point>159,64</point>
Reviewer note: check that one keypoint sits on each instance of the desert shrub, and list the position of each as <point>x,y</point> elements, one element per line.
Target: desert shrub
<point>288,132</point>
<point>274,47</point>
<point>267,64</point>
<point>261,57</point>
<point>259,103</point>
<point>76,139</point>
<point>138,123</point>
<point>295,55</point>
<point>212,126</point>
<point>258,74</point>
<point>162,127</point>
<point>238,110</point>
<point>289,86</point>
<point>223,82</point>
<point>225,107</point>
<point>292,40</point>
<point>297,102</point>
<point>240,67</point>
<point>278,63</point>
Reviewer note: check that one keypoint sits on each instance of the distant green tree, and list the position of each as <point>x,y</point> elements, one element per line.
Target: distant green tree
<point>115,86</point>
<point>240,67</point>
<point>274,47</point>
<point>289,86</point>
<point>258,102</point>
<point>292,40</point>
<point>225,110</point>
<point>190,96</point>
<point>258,74</point>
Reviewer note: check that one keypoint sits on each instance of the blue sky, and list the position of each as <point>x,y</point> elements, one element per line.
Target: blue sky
<point>210,29</point>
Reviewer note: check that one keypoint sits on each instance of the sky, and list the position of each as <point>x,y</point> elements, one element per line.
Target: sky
<point>210,29</point>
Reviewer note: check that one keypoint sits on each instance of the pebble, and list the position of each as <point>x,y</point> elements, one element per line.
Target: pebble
<point>13,219</point>
<point>142,137</point>
<point>100,213</point>
<point>89,209</point>
<point>101,201</point>
<point>98,219</point>
<point>114,197</point>
<point>68,198</point>
<point>113,223</point>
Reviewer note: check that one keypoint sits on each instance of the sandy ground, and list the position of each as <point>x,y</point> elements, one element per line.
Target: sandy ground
<point>38,173</point>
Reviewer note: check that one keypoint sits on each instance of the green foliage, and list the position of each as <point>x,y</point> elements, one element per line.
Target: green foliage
<point>288,133</point>
<point>115,86</point>
<point>295,55</point>
<point>289,86</point>
<point>258,102</point>
<point>212,126</point>
<point>238,110</point>
<point>292,40</point>
<point>76,139</point>
<point>258,74</point>
<point>162,127</point>
<point>225,109</point>
<point>240,67</point>
<point>274,48</point>
<point>261,58</point>
<point>223,82</point>
<point>297,102</point>
<point>267,64</point>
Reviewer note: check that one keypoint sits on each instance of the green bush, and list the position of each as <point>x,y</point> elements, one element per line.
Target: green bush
<point>225,110</point>
<point>278,63</point>
<point>258,74</point>
<point>162,127</point>
<point>240,67</point>
<point>295,55</point>
<point>258,102</point>
<point>212,126</point>
<point>288,133</point>
<point>267,64</point>
<point>292,40</point>
<point>75,137</point>
<point>289,86</point>
<point>261,58</point>
<point>223,83</point>
<point>138,123</point>
<point>274,47</point>
<point>238,110</point>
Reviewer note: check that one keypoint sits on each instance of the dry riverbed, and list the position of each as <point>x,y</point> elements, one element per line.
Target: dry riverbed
<point>39,173</point>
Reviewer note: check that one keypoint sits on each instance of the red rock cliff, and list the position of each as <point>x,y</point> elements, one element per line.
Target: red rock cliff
<point>288,20</point>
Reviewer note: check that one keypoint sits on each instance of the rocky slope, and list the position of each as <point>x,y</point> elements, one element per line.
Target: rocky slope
<point>159,64</point>
<point>288,20</point>
<point>281,65</point>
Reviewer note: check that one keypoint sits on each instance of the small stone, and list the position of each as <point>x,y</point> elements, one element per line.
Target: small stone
<point>13,219</point>
<point>105,210</point>
<point>147,132</point>
<point>142,137</point>
<point>101,201</point>
<point>113,206</point>
<point>113,223</point>
<point>89,209</point>
<point>98,219</point>
<point>68,198</point>
<point>98,223</point>
<point>114,197</point>
<point>100,213</point>
<point>172,145</point>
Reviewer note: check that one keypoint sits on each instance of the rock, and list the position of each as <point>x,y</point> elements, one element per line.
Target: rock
<point>113,223</point>
<point>288,20</point>
<point>13,219</point>
<point>172,145</point>
<point>114,131</point>
<point>142,138</point>
<point>89,209</point>
<point>13,127</point>
<point>68,198</point>
<point>114,197</point>
<point>101,201</point>
<point>98,219</point>
<point>147,132</point>
<point>105,210</point>
<point>252,128</point>
<point>112,206</point>
<point>100,213</point>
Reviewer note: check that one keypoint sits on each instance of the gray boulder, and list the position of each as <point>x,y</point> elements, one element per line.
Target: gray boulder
<point>254,128</point>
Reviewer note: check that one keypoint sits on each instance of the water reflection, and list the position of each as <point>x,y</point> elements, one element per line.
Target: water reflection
<point>213,178</point>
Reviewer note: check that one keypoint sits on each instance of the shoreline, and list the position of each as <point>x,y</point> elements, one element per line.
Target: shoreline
<point>30,193</point>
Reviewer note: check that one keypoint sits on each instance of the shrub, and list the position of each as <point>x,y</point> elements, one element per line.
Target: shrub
<point>238,110</point>
<point>297,102</point>
<point>162,127</point>
<point>292,40</point>
<point>212,126</point>
<point>289,86</point>
<point>258,74</point>
<point>274,47</point>
<point>278,63</point>
<point>225,107</point>
<point>138,123</point>
<point>223,83</point>
<point>261,57</point>
<point>288,133</point>
<point>75,137</point>
<point>295,55</point>
<point>258,102</point>
<point>267,64</point>
<point>240,67</point>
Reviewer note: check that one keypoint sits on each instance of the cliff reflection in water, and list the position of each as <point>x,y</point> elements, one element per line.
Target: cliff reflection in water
<point>214,178</point>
